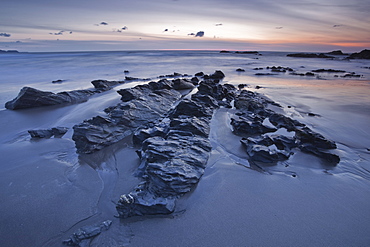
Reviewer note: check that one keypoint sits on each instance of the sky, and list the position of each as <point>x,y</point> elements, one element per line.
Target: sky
<point>262,25</point>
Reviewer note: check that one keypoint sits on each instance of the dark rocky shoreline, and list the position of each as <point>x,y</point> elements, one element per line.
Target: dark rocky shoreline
<point>169,123</point>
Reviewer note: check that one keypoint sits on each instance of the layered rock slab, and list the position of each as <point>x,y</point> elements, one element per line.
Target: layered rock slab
<point>174,154</point>
<point>29,97</point>
<point>143,104</point>
<point>250,123</point>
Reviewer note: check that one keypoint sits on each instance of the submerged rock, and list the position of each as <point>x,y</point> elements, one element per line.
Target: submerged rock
<point>47,133</point>
<point>87,232</point>
<point>30,97</point>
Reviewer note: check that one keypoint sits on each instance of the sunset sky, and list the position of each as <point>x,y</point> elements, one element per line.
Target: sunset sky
<point>270,25</point>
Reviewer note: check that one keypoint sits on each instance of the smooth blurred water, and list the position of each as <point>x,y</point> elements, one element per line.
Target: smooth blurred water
<point>78,69</point>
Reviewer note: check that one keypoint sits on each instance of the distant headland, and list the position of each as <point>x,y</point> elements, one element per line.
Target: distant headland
<point>8,51</point>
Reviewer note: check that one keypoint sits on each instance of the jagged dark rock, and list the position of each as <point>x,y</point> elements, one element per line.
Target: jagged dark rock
<point>200,74</point>
<point>174,154</point>
<point>141,105</point>
<point>104,85</point>
<point>246,52</point>
<point>47,133</point>
<point>351,75</point>
<point>262,150</point>
<point>218,75</point>
<point>306,135</point>
<point>262,74</point>
<point>336,53</point>
<point>195,80</point>
<point>364,54</point>
<point>30,97</point>
<point>309,55</point>
<point>180,84</point>
<point>328,71</point>
<point>319,152</point>
<point>249,122</point>
<point>58,81</point>
<point>281,121</point>
<point>250,125</point>
<point>141,202</point>
<point>9,51</point>
<point>87,232</point>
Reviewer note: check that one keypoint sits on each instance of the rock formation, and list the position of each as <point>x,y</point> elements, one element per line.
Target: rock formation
<point>364,54</point>
<point>47,133</point>
<point>309,55</point>
<point>254,120</point>
<point>87,232</point>
<point>30,97</point>
<point>143,104</point>
<point>174,152</point>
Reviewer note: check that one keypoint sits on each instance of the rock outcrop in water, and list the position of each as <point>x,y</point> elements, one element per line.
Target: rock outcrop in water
<point>174,152</point>
<point>364,54</point>
<point>30,97</point>
<point>143,104</point>
<point>254,120</point>
<point>87,232</point>
<point>336,53</point>
<point>172,132</point>
<point>309,55</point>
<point>47,133</point>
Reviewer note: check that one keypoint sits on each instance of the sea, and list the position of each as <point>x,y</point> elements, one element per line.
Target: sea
<point>47,191</point>
<point>78,69</point>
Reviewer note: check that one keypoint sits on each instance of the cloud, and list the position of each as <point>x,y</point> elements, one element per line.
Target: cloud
<point>5,34</point>
<point>119,30</point>
<point>199,34</point>
<point>218,24</point>
<point>338,25</point>
<point>278,27</point>
<point>61,32</point>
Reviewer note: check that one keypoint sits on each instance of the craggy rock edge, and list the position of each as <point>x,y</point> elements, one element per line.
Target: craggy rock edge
<point>175,151</point>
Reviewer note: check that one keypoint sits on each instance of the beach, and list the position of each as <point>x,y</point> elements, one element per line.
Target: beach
<point>48,191</point>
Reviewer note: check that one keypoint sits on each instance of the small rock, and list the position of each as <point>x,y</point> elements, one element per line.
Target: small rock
<point>87,232</point>
<point>57,81</point>
<point>47,133</point>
